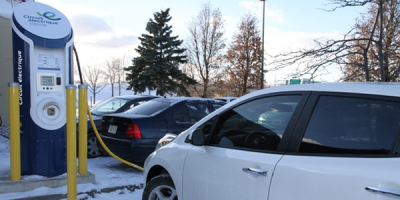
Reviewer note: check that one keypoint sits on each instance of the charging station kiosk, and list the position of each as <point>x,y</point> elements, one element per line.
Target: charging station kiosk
<point>43,66</point>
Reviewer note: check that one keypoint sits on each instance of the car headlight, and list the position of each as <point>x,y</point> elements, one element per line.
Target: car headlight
<point>168,138</point>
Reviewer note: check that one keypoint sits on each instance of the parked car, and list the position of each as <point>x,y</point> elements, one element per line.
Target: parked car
<point>133,135</point>
<point>111,105</point>
<point>312,141</point>
<point>226,99</point>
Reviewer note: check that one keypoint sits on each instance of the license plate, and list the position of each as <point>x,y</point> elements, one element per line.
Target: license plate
<point>112,129</point>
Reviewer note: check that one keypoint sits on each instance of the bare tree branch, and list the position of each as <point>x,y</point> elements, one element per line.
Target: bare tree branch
<point>346,3</point>
<point>93,77</point>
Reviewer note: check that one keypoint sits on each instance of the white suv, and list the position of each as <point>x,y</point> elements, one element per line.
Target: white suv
<point>313,141</point>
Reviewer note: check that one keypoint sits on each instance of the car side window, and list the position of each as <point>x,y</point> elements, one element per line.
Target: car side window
<point>181,115</point>
<point>197,111</point>
<point>344,125</point>
<point>256,125</point>
<point>217,105</point>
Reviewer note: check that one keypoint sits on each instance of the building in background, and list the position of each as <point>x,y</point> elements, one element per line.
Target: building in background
<point>6,63</point>
<point>6,66</point>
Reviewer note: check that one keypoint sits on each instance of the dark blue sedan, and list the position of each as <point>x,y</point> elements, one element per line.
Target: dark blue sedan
<point>112,105</point>
<point>133,135</point>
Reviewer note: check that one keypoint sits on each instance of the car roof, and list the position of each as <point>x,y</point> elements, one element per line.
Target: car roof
<point>135,96</point>
<point>373,88</point>
<point>179,99</point>
<point>226,98</point>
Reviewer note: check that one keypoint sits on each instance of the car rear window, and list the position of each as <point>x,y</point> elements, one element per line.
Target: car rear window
<point>149,108</point>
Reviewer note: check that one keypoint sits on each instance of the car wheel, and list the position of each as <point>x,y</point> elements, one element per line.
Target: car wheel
<point>92,149</point>
<point>160,187</point>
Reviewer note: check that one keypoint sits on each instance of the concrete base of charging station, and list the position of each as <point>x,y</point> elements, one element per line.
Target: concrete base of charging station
<point>7,186</point>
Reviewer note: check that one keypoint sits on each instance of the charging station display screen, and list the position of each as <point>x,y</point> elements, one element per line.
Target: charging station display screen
<point>48,61</point>
<point>47,80</point>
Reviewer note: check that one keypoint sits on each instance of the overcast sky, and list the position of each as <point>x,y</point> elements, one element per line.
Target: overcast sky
<point>105,29</point>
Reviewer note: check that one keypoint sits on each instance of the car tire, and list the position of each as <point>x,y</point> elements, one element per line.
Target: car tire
<point>160,187</point>
<point>92,148</point>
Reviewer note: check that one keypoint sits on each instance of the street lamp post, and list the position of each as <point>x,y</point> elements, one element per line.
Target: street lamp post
<point>262,48</point>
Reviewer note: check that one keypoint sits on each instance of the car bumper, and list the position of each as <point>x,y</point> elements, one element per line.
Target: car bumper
<point>130,150</point>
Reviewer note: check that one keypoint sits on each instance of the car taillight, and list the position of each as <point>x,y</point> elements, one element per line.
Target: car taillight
<point>133,132</point>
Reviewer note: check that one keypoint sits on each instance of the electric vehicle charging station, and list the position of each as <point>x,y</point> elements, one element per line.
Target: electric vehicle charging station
<point>43,67</point>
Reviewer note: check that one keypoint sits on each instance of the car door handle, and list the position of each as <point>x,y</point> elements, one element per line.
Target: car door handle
<point>254,171</point>
<point>384,192</point>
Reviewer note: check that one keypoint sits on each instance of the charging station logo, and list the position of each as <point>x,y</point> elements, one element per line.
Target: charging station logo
<point>20,76</point>
<point>49,16</point>
<point>45,19</point>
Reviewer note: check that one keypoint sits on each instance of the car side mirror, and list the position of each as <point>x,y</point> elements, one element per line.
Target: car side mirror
<point>198,137</point>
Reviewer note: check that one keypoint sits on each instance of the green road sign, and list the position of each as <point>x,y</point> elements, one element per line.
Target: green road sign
<point>294,81</point>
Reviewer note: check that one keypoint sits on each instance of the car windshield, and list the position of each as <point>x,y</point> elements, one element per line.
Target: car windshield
<point>109,106</point>
<point>149,108</point>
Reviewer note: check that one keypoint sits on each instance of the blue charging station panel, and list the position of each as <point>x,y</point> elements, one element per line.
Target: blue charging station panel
<point>42,55</point>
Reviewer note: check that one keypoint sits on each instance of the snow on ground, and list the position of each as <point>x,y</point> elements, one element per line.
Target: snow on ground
<point>108,173</point>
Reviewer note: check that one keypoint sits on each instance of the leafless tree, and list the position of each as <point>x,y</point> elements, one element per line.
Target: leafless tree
<point>93,77</point>
<point>352,52</point>
<point>314,61</point>
<point>347,3</point>
<point>120,76</point>
<point>114,73</point>
<point>377,53</point>
<point>205,45</point>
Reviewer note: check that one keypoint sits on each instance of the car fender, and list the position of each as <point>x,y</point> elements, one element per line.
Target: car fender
<point>174,151</point>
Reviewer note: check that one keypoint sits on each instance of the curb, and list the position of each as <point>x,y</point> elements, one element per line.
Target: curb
<point>7,186</point>
<point>91,193</point>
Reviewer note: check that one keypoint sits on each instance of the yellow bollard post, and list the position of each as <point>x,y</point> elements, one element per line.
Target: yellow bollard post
<point>71,142</point>
<point>83,106</point>
<point>15,148</point>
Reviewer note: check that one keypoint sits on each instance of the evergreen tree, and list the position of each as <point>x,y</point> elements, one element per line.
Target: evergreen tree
<point>157,67</point>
